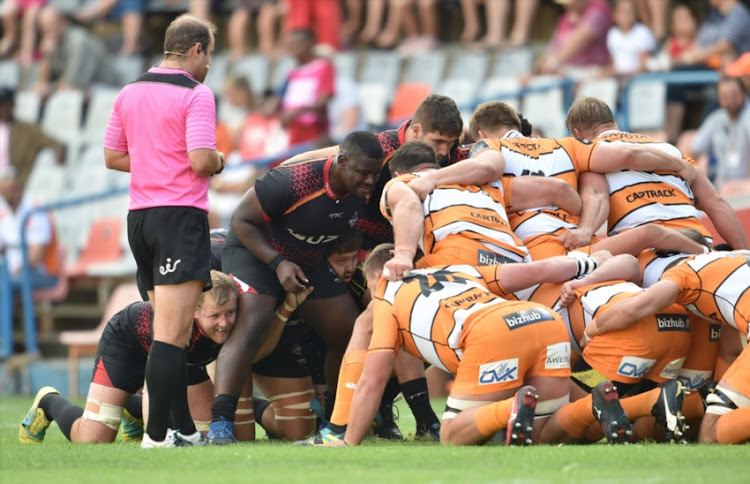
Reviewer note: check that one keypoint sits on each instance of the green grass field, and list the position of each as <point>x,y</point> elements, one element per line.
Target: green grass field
<point>56,460</point>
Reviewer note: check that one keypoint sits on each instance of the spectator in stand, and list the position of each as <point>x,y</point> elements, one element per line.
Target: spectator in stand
<point>262,134</point>
<point>267,12</point>
<point>682,37</point>
<point>303,99</point>
<point>655,15</point>
<point>43,254</point>
<point>725,137</point>
<point>129,13</point>
<point>722,37</point>
<point>73,57</point>
<point>420,33</point>
<point>323,17</point>
<point>20,143</point>
<point>21,13</point>
<point>235,106</point>
<point>578,42</point>
<point>496,13</point>
<point>629,42</point>
<point>741,68</point>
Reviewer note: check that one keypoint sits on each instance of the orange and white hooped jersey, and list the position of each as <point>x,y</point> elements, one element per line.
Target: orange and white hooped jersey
<point>428,312</point>
<point>638,197</point>
<point>474,212</point>
<point>548,294</point>
<point>564,158</point>
<point>715,286</point>
<point>653,266</point>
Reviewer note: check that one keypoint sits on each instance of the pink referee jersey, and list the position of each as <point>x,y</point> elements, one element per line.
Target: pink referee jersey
<point>158,120</point>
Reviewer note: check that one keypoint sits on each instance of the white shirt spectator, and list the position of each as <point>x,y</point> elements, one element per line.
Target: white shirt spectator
<point>38,231</point>
<point>626,48</point>
<point>345,110</point>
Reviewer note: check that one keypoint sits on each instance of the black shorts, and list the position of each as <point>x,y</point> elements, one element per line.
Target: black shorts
<point>171,245</point>
<point>117,364</point>
<point>288,359</point>
<point>241,263</point>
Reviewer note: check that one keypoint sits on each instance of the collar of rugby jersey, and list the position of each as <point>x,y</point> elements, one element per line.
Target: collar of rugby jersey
<point>327,180</point>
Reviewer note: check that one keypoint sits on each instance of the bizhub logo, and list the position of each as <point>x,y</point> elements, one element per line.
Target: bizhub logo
<point>525,317</point>
<point>714,332</point>
<point>498,372</point>
<point>634,367</point>
<point>672,322</point>
<point>487,258</point>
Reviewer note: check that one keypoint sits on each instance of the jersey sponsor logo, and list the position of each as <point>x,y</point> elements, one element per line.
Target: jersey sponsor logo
<point>694,379</point>
<point>714,332</point>
<point>527,172</point>
<point>468,300</point>
<point>672,322</point>
<point>355,218</point>
<point>672,369</point>
<point>487,258</point>
<point>651,194</point>
<point>526,317</point>
<point>558,356</point>
<point>168,267</point>
<point>487,218</point>
<point>429,283</point>
<point>335,215</point>
<point>312,239</point>
<point>498,372</point>
<point>634,367</point>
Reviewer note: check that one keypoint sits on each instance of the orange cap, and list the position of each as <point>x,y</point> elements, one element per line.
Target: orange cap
<point>740,67</point>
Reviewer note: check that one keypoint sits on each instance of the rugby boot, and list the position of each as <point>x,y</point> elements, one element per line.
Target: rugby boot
<point>322,437</point>
<point>521,421</point>
<point>221,433</point>
<point>428,432</point>
<point>668,411</point>
<point>132,428</point>
<point>168,442</point>
<point>385,426</point>
<point>707,389</point>
<point>609,413</point>
<point>35,424</point>
<point>196,439</point>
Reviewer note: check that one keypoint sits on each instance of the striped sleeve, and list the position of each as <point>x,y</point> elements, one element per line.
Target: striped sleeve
<point>114,135</point>
<point>201,120</point>
<point>737,28</point>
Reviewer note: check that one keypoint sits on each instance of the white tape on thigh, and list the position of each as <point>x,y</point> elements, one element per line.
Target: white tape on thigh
<point>454,406</point>
<point>716,406</point>
<point>109,415</point>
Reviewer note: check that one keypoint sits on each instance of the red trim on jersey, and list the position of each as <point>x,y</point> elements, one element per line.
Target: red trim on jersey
<point>402,131</point>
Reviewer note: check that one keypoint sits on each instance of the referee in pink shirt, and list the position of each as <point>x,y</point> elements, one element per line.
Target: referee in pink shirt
<point>163,131</point>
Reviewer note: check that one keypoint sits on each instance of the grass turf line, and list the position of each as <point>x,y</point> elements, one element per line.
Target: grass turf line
<point>56,460</point>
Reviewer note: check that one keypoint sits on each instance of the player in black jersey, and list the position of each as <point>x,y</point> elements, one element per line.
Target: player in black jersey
<point>280,233</point>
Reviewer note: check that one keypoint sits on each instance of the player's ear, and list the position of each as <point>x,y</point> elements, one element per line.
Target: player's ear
<point>416,130</point>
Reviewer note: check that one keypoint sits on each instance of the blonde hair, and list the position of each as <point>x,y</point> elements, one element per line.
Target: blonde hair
<point>587,112</point>
<point>223,290</point>
<point>492,115</point>
<point>377,258</point>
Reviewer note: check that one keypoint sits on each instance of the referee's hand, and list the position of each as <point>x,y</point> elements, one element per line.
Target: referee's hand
<point>221,163</point>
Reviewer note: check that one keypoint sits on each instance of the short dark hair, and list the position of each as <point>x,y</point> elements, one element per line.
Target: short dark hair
<point>362,144</point>
<point>411,155</point>
<point>439,114</point>
<point>493,115</point>
<point>185,31</point>
<point>378,257</point>
<point>348,242</point>
<point>526,127</point>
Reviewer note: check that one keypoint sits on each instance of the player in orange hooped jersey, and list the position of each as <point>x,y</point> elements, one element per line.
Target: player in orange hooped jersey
<point>715,286</point>
<point>638,196</point>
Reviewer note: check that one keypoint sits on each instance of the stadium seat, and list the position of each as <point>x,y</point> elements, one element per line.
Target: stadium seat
<point>374,103</point>
<point>28,105</point>
<point>346,64</point>
<point>280,70</point>
<point>515,62</point>
<point>66,7</point>
<point>646,101</point>
<point>102,245</point>
<point>407,97</point>
<point>97,115</point>
<point>128,67</point>
<point>255,68</point>
<point>46,181</point>
<point>83,343</point>
<point>462,91</point>
<point>427,68</point>
<point>472,66</point>
<point>505,89</point>
<point>383,67</point>
<point>62,116</point>
<point>545,109</point>
<point>10,73</point>
<point>217,75</point>
<point>605,89</point>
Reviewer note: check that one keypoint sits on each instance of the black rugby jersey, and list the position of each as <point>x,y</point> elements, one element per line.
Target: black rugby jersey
<point>303,214</point>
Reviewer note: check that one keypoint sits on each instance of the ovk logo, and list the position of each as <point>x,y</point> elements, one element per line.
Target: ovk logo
<point>634,367</point>
<point>498,372</point>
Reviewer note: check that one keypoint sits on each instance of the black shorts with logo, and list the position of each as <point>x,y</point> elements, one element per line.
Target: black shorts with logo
<point>237,260</point>
<point>171,245</point>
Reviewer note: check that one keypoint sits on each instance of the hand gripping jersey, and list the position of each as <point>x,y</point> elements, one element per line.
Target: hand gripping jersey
<point>473,212</point>
<point>564,158</point>
<point>637,197</point>
<point>302,212</point>
<point>715,286</point>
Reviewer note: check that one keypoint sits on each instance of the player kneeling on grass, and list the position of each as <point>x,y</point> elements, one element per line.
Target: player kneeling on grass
<point>119,372</point>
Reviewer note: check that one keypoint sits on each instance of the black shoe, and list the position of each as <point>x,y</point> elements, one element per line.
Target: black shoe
<point>428,432</point>
<point>668,411</point>
<point>385,426</point>
<point>609,413</point>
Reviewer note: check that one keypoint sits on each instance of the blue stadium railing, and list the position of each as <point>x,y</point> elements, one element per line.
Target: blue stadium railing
<point>669,78</point>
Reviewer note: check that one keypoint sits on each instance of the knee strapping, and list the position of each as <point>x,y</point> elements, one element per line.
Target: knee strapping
<point>721,401</point>
<point>454,406</point>
<point>244,415</point>
<point>109,415</point>
<point>293,406</point>
<point>545,408</point>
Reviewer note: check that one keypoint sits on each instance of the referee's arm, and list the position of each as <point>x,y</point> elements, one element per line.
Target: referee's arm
<point>117,160</point>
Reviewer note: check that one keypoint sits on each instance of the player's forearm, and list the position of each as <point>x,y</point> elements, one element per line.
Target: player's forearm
<point>477,171</point>
<point>646,158</point>
<point>623,267</point>
<point>594,210</point>
<point>408,224</point>
<point>363,409</point>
